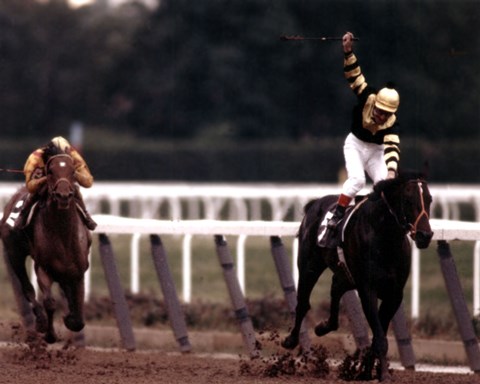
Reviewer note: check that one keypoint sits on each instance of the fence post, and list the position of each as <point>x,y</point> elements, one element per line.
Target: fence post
<point>172,303</point>
<point>288,285</point>
<point>403,338</point>
<point>117,295</point>
<point>236,296</point>
<point>457,299</point>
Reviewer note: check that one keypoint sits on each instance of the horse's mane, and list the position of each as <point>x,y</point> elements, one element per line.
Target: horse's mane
<point>402,178</point>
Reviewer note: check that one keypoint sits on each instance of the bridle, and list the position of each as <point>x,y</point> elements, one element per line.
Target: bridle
<point>402,222</point>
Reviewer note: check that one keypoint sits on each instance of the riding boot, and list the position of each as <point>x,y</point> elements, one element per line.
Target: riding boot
<point>336,218</point>
<point>342,204</point>
<point>89,222</point>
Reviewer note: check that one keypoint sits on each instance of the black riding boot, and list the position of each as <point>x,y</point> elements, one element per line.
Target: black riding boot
<point>336,218</point>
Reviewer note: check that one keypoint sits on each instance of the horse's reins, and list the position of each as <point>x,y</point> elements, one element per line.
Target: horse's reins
<point>409,226</point>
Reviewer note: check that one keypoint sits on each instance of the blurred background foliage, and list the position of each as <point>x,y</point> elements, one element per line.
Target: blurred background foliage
<point>214,78</point>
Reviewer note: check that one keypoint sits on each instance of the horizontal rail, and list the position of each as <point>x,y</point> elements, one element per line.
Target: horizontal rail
<point>443,229</point>
<point>243,200</point>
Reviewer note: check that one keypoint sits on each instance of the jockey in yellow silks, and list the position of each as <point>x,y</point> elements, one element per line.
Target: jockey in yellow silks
<point>35,177</point>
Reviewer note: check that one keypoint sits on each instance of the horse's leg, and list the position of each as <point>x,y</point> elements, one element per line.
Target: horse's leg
<point>45,285</point>
<point>309,273</point>
<point>74,293</point>
<point>379,348</point>
<point>337,290</point>
<point>17,262</point>
<point>387,310</point>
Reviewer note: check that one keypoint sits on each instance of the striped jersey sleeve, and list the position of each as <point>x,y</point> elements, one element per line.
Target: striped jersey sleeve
<point>353,73</point>
<point>391,152</point>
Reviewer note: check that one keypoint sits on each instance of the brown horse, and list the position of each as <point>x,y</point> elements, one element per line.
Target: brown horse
<point>58,242</point>
<point>376,258</point>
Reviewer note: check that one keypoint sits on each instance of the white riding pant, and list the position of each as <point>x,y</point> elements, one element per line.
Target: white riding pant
<point>361,157</point>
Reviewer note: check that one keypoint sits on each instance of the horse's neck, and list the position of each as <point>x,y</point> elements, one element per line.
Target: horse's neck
<point>65,219</point>
<point>383,221</point>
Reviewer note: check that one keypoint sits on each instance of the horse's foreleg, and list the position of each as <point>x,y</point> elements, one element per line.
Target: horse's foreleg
<point>45,284</point>
<point>337,290</point>
<point>74,293</point>
<point>386,312</point>
<point>379,341</point>
<point>309,274</point>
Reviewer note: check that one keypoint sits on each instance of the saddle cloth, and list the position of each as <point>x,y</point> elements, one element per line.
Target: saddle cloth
<point>19,206</point>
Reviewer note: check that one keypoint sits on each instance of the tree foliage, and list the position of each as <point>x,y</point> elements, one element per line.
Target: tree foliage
<point>217,69</point>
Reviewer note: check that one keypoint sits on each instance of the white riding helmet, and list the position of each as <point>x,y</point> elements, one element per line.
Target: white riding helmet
<point>387,99</point>
<point>61,143</point>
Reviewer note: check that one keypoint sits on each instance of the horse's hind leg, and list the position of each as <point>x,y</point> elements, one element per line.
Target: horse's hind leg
<point>16,262</point>
<point>309,274</point>
<point>74,293</point>
<point>337,290</point>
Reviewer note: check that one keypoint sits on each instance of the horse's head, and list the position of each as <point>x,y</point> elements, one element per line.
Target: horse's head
<point>60,180</point>
<point>408,199</point>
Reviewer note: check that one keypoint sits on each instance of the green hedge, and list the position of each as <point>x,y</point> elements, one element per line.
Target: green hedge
<point>311,161</point>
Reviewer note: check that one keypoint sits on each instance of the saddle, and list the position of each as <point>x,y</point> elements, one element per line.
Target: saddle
<point>334,239</point>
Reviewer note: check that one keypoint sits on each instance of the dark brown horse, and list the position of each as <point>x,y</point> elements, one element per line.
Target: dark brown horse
<point>58,242</point>
<point>377,256</point>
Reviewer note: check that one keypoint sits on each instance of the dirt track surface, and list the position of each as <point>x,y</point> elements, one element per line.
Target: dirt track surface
<point>84,366</point>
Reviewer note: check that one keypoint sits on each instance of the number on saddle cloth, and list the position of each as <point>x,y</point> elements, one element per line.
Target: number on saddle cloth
<point>23,210</point>
<point>15,212</point>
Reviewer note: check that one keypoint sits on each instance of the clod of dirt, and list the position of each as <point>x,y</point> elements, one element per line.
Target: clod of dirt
<point>359,367</point>
<point>312,363</point>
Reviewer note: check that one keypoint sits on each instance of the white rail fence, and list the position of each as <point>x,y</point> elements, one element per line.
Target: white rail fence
<point>245,204</point>
<point>192,201</point>
<point>444,230</point>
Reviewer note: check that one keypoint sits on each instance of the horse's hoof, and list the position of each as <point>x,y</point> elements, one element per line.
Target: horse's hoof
<point>73,324</point>
<point>323,328</point>
<point>50,338</point>
<point>290,342</point>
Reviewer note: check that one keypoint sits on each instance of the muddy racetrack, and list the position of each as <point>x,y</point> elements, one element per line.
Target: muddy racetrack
<point>37,363</point>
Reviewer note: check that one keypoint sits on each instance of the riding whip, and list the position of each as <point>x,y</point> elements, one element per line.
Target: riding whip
<point>319,38</point>
<point>11,170</point>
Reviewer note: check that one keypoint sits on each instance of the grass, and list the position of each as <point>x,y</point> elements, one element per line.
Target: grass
<point>208,285</point>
